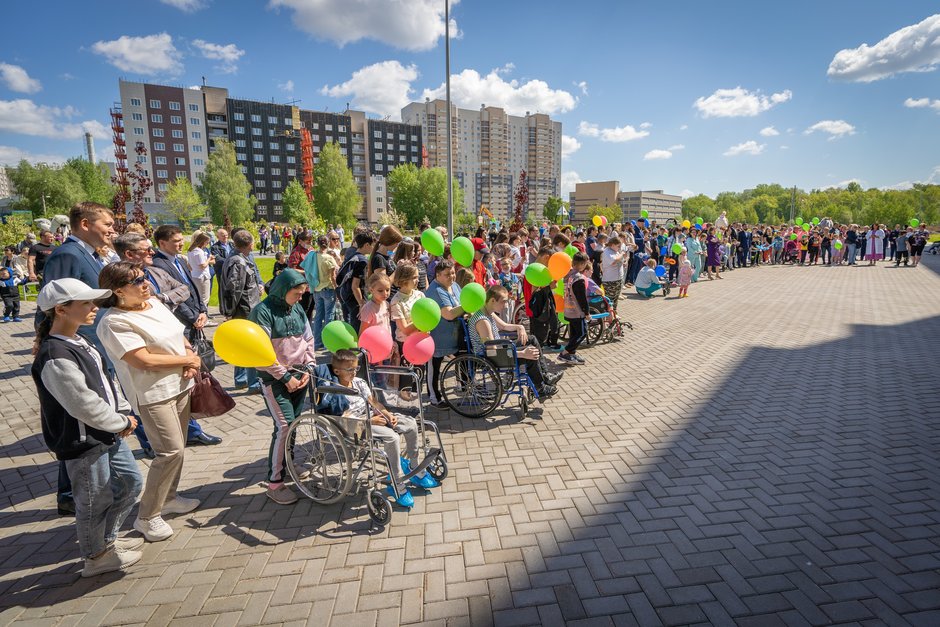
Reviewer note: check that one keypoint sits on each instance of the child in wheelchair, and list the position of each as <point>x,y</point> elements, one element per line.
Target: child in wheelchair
<point>387,427</point>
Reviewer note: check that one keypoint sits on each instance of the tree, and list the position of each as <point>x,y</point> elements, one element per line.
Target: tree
<point>183,203</point>
<point>421,193</point>
<point>13,229</point>
<point>336,196</point>
<point>225,189</point>
<point>44,189</point>
<point>141,183</point>
<point>613,213</point>
<point>552,206</point>
<point>297,207</point>
<point>95,180</point>
<point>521,198</point>
<point>700,206</point>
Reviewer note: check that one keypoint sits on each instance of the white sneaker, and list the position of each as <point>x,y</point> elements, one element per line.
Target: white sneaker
<point>128,544</point>
<point>154,529</point>
<point>179,505</point>
<point>110,561</point>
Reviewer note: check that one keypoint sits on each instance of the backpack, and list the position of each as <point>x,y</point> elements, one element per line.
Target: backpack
<point>344,276</point>
<point>311,269</point>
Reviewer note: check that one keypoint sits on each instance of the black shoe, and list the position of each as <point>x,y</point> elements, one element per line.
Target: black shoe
<point>547,391</point>
<point>149,453</point>
<point>204,439</point>
<point>66,508</point>
<point>552,379</point>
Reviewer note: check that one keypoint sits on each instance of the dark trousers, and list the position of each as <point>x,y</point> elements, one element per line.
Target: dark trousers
<point>351,313</point>
<point>813,255</point>
<point>742,256</point>
<point>673,268</point>
<point>902,254</point>
<point>434,379</point>
<point>826,255</point>
<point>892,250</point>
<point>577,330</point>
<point>545,333</point>
<point>11,305</point>
<point>535,368</point>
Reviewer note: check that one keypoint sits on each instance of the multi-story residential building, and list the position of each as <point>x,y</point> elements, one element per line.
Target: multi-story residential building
<point>6,185</point>
<point>490,150</point>
<point>660,207</point>
<point>171,123</point>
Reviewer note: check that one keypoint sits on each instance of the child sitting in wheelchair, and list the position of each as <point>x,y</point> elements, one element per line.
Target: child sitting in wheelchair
<point>387,427</point>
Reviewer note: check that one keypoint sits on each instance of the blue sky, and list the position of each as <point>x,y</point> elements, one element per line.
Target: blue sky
<point>688,97</point>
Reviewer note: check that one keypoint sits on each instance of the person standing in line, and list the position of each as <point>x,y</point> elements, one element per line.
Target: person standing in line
<point>917,241</point>
<point>155,365</point>
<point>324,294</point>
<point>263,235</point>
<point>200,264</point>
<point>902,245</point>
<point>39,253</point>
<point>875,247</point>
<point>444,291</point>
<point>85,420</point>
<point>219,251</point>
<point>242,293</point>
<point>851,243</point>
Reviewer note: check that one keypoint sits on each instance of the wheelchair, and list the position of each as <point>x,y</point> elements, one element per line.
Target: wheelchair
<point>475,385</point>
<point>332,457</point>
<point>603,323</point>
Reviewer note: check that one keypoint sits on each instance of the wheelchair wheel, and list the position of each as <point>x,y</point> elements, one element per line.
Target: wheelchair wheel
<point>519,317</point>
<point>318,459</point>
<point>438,469</point>
<point>471,386</point>
<point>380,510</point>
<point>595,328</point>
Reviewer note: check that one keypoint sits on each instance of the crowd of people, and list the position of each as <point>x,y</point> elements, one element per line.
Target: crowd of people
<point>121,319</point>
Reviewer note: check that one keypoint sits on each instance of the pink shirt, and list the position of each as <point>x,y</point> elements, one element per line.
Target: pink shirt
<point>374,314</point>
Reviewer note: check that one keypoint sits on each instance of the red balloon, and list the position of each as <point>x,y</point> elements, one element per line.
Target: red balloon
<point>377,342</point>
<point>418,348</point>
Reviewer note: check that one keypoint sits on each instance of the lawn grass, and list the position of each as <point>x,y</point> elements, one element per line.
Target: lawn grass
<point>265,264</point>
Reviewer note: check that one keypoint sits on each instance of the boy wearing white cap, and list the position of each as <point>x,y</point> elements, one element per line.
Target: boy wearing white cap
<point>85,419</point>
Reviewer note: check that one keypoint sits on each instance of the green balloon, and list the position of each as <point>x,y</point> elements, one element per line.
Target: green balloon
<point>644,213</point>
<point>538,275</point>
<point>472,297</point>
<point>462,250</point>
<point>560,288</point>
<point>426,314</point>
<point>433,242</point>
<point>677,248</point>
<point>837,244</point>
<point>699,220</point>
<point>338,335</point>
<point>792,235</point>
<point>815,220</point>
<point>571,251</point>
<point>915,222</point>
<point>799,221</point>
<point>561,318</point>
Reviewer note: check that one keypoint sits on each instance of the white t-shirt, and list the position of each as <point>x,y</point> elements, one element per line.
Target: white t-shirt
<point>402,304</point>
<point>160,332</point>
<point>611,269</point>
<point>357,405</point>
<point>196,257</point>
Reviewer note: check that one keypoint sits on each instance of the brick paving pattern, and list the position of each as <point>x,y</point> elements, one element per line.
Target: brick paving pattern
<point>764,452</point>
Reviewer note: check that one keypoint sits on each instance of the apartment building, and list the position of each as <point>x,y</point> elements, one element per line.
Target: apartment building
<point>490,150</point>
<point>6,185</point>
<point>660,206</point>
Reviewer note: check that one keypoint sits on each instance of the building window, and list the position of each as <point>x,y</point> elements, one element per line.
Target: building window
<point>161,174</point>
<point>194,107</point>
<point>156,118</point>
<point>275,171</point>
<point>255,117</point>
<point>377,134</point>
<point>275,159</point>
<point>196,148</point>
<point>198,162</point>
<point>377,145</point>
<point>242,157</point>
<point>271,132</point>
<point>196,135</point>
<point>276,183</point>
<point>258,157</point>
<point>157,132</point>
<point>141,158</point>
<point>315,138</point>
<point>261,196</point>
<point>390,136</point>
<point>260,183</point>
<point>174,106</point>
<point>138,130</point>
<point>239,143</point>
<point>194,121</point>
<point>239,117</point>
<point>278,210</point>
<point>414,138</point>
<point>244,170</point>
<point>181,174</point>
<point>315,126</point>
<point>135,102</point>
<point>288,122</point>
<point>178,148</point>
<point>180,160</point>
<point>328,127</point>
<point>177,133</point>
<point>161,187</point>
<point>154,104</point>
<point>379,166</point>
<point>277,196</point>
<point>379,156</point>
<point>255,131</point>
<point>274,146</point>
<point>159,160</point>
<point>159,146</point>
<point>289,147</point>
<point>272,119</point>
<point>342,139</point>
<point>137,117</point>
<point>379,199</point>
<point>291,172</point>
<point>175,119</point>
<point>291,159</point>
<point>240,130</point>
<point>257,145</point>
<point>258,169</point>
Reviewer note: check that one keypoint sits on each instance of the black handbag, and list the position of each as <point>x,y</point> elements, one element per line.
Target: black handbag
<point>203,347</point>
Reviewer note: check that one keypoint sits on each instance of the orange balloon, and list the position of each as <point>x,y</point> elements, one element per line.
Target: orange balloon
<point>558,265</point>
<point>559,302</point>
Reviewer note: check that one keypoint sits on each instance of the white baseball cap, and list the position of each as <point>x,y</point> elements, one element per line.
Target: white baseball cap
<point>65,290</point>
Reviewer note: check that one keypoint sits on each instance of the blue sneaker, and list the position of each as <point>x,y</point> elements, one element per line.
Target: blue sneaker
<point>404,499</point>
<point>17,319</point>
<point>426,482</point>
<point>6,318</point>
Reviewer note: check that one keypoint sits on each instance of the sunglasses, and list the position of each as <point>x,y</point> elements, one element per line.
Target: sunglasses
<point>139,281</point>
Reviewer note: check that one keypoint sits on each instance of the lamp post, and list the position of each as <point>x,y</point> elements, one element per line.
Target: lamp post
<point>450,157</point>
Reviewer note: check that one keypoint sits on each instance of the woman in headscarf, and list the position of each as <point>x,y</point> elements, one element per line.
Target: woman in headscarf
<point>283,318</point>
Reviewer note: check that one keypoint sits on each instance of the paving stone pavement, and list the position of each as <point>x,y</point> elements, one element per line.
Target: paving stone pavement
<point>764,452</point>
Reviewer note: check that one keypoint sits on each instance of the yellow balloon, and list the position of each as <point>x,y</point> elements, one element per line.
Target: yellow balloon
<point>245,344</point>
<point>686,223</point>
<point>597,220</point>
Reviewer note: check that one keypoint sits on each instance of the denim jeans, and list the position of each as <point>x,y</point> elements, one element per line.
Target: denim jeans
<point>324,307</point>
<point>245,376</point>
<point>850,255</point>
<point>105,485</point>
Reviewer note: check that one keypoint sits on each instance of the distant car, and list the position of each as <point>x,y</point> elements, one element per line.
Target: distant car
<point>933,248</point>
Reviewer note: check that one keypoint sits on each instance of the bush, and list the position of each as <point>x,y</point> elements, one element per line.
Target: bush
<point>13,230</point>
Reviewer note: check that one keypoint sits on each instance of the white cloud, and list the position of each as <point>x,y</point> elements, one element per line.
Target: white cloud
<point>149,55</point>
<point>687,193</point>
<point>228,54</point>
<point>569,145</point>
<point>568,182</point>
<point>683,127</point>
<point>187,6</point>
<point>27,118</point>
<point>287,86</point>
<point>657,154</point>
<point>11,155</point>
<point>411,25</point>
<point>784,148</point>
<point>17,79</point>
<point>676,147</point>
<point>646,125</point>
<point>769,131</point>
<point>617,134</point>
<point>469,90</point>
<point>913,48</point>
<point>921,103</point>
<point>381,88</point>
<point>846,182</point>
<point>738,102</point>
<point>750,147</point>
<point>835,128</point>
<point>583,86</point>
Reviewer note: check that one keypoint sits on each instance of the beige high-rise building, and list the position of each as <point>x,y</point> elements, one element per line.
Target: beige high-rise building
<point>490,150</point>
<point>660,207</point>
<point>6,185</point>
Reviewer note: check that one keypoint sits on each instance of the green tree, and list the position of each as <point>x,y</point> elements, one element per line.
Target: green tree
<point>182,203</point>
<point>419,193</point>
<point>552,206</point>
<point>700,206</point>
<point>613,213</point>
<point>404,192</point>
<point>335,193</point>
<point>225,189</point>
<point>297,207</point>
<point>95,180</point>
<point>14,229</point>
<point>45,190</point>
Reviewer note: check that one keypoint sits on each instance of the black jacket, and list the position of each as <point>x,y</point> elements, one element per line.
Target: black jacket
<point>186,312</point>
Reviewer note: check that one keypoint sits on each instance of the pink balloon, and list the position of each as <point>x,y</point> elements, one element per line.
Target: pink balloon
<point>418,348</point>
<point>376,341</point>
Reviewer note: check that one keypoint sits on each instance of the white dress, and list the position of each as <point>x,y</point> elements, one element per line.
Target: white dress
<point>875,250</point>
